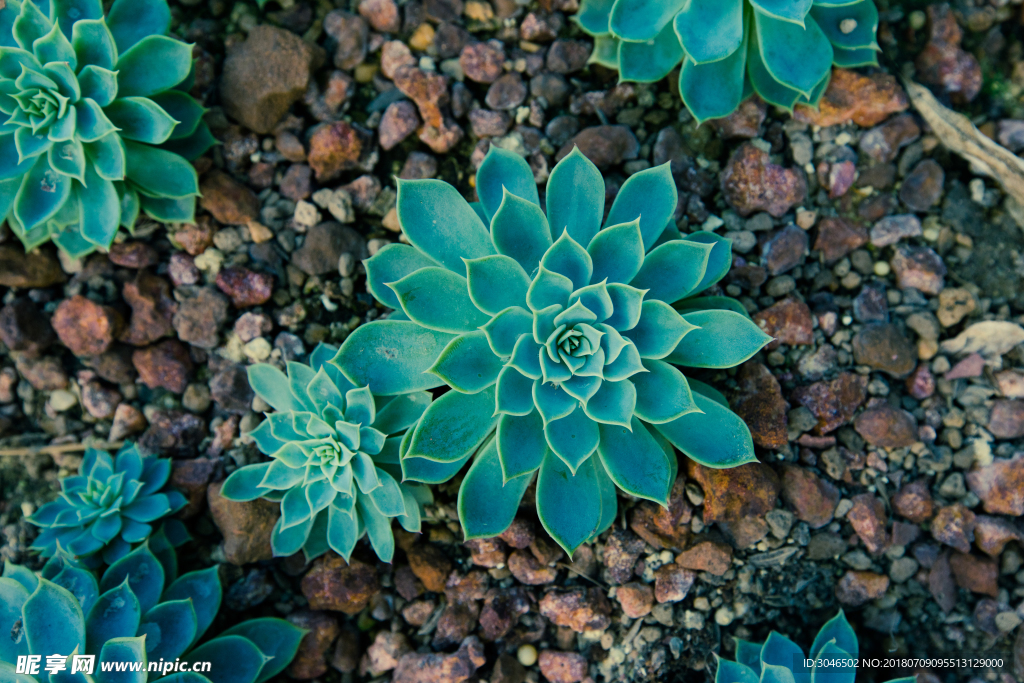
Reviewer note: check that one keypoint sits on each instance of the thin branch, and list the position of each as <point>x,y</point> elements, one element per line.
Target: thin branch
<point>60,449</point>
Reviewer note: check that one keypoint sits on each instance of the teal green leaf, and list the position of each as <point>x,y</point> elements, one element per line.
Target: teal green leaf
<point>467,364</point>
<point>42,194</point>
<point>91,121</point>
<point>548,289</point>
<point>715,89</point>
<point>521,444</point>
<point>140,119</point>
<point>94,45</point>
<point>710,30</point>
<point>438,299</point>
<point>798,57</point>
<point>593,16</point>
<point>573,438</point>
<point>67,12</point>
<point>11,163</point>
<point>735,672</point>
<point>116,614</point>
<point>792,11</point>
<point>662,393</point>
<point>568,258</point>
<point>487,502</point>
<point>272,386</point>
<point>52,620</point>
<point>108,158</point>
<point>504,330</point>
<point>704,303</point>
<point>430,472</point>
<point>568,525</point>
<point>778,650</point>
<point>401,412</point>
<point>170,628</point>
<point>724,339</point>
<point>515,392</point>
<point>12,598</point>
<point>526,357</point>
<point>849,59</point>
<point>659,331</point>
<point>627,301</point>
<point>503,171</point>
<point>625,365</point>
<point>613,403</point>
<point>862,36</point>
<point>232,658</point>
<point>288,541</point>
<point>193,146</point>
<point>763,82</point>
<point>455,424</point>
<point>552,402</point>
<point>635,461</point>
<point>30,26</point>
<point>719,261</point>
<point>749,654</point>
<point>132,20</point>
<point>606,52</point>
<point>99,208</point>
<point>182,108</point>
<point>391,356</point>
<point>609,501</point>
<point>154,64</point>
<point>575,198</point>
<point>276,639</point>
<point>638,20</point>
<point>715,437</point>
<point>55,47</point>
<point>651,60</point>
<point>496,283</point>
<point>440,223</point>
<point>673,270</point>
<point>617,252</point>
<point>389,265</point>
<point>378,529</point>
<point>68,159</point>
<point>203,589</point>
<point>520,230</point>
<point>838,629</point>
<point>160,173</point>
<point>126,650</point>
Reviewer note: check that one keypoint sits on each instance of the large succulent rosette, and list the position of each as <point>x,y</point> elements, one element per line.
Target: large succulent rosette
<point>781,49</point>
<point>559,339</point>
<point>95,121</point>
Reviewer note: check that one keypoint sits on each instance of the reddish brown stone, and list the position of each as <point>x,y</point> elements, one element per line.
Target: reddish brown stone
<point>788,321</point>
<point>483,62</point>
<point>942,63</point>
<point>525,567</point>
<point>751,182</point>
<point>991,534</point>
<point>195,238</point>
<point>581,609</point>
<point>883,143</point>
<point>519,534</point>
<point>914,501</point>
<point>883,347</point>
<point>245,527</point>
<point>383,15</point>
<point>383,654</point>
<point>941,584</point>
<point>707,556</point>
<point>760,404</point>
<point>664,527</point>
<point>837,237</point>
<point>857,588</point>
<point>921,383</point>
<point>173,432</point>
<point>334,584</point>
<point>38,268</point>
<point>1006,420</point>
<point>245,287</point>
<point>192,478</point>
<point>785,250</point>
<point>430,565</point>
<point>99,400</point>
<point>128,420</point>
<point>868,519</point>
<point>1000,486</point>
<point>749,490</point>
<point>399,122</point>
<point>834,402</point>
<point>133,255</point>
<point>441,668</point>
<point>672,583</point>
<point>334,148</point>
<point>228,200</point>
<point>604,145</point>
<point>153,309</point>
<point>86,327</point>
<point>165,365</point>
<point>887,427</point>
<point>918,267</point>
<point>977,574</point>
<point>814,499</point>
<point>954,526</point>
<point>311,658</point>
<point>850,96</point>
<point>745,122</point>
<point>428,90</point>
<point>562,667</point>
<point>635,599</point>
<point>501,612</point>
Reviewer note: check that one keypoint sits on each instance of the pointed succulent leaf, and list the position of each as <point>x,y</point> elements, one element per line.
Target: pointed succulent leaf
<point>796,56</point>
<point>145,576</point>
<point>116,614</point>
<point>505,329</point>
<point>568,258</point>
<point>662,393</point>
<point>521,444</point>
<point>719,261</point>
<point>526,357</point>
<point>865,16</point>
<point>569,525</point>
<point>30,26</point>
<point>182,108</point>
<point>276,638</point>
<point>710,30</point>
<point>593,16</point>
<point>704,347</point>
<point>401,412</point>
<point>778,650</point>
<point>52,620</point>
<point>141,119</point>
<point>520,230</point>
<point>430,472</point>
<point>714,89</point>
<point>378,529</point>
<point>846,59</point>
<point>639,20</point>
<point>391,264</point>
<point>652,60</point>
<point>124,651</point>
<point>673,270</point>
<point>659,330</point>
<point>441,224</point>
<point>132,20</point>
<point>454,425</point>
<point>439,299</point>
<point>613,403</point>
<point>244,483</point>
<point>342,531</point>
<point>391,356</point>
<point>573,437</point>
<point>838,629</point>
<point>496,282</point>
<point>514,394</point>
<point>94,45</point>
<point>487,502</point>
<point>552,402</point>
<point>42,194</point>
<point>99,208</point>
<point>108,158</point>
<point>548,289</point>
<point>160,173</point>
<point>288,541</point>
<point>468,364</point>
<point>606,51</point>
<point>715,437</point>
<point>749,654</point>
<point>735,672</point>
<point>836,666</point>
<point>360,407</point>
<point>503,171</point>
<point>92,123</point>
<point>271,385</point>
<point>232,659</point>
<point>705,303</point>
<point>154,64</point>
<point>203,589</point>
<point>55,47</point>
<point>387,497</point>
<point>617,252</point>
<point>761,79</point>
<point>635,461</point>
<point>575,198</point>
<point>169,628</point>
<point>792,11</point>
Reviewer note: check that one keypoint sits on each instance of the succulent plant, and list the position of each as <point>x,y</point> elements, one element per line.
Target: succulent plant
<point>781,49</point>
<point>334,459</point>
<point>111,504</point>
<point>780,660</point>
<point>559,340</point>
<point>97,122</point>
<point>137,612</point>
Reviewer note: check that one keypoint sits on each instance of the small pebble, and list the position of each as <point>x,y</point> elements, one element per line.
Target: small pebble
<point>527,655</point>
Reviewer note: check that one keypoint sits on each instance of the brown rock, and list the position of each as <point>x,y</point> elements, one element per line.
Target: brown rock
<point>892,229</point>
<point>918,267</point>
<point>333,148</point>
<point>922,188</point>
<point>333,584</point>
<point>760,404</point>
<point>868,519</point>
<point>458,620</point>
<point>604,145</point>
<point>954,526</point>
<point>672,583</point>
<point>199,318</point>
<point>399,122</point>
<point>441,139</point>
<point>501,612</point>
<point>581,609</point>
<point>914,501</point>
<point>850,96</point>
<point>525,567</point>
<point>883,143</point>
<point>519,534</point>
<point>153,309</point>
<point>483,62</point>
<point>568,56</point>
<point>430,565</point>
<point>837,237</point>
<point>264,75</point>
<point>383,655</point>
<point>507,92</point>
<point>173,432</point>
<point>883,347</point>
<point>751,183</point>
<point>383,15</point>
<point>706,556</point>
<point>440,668</point>
<point>230,389</point>
<point>128,420</point>
<point>487,552</point>
<point>417,166</point>
<point>1000,485</point>
<point>44,374</point>
<point>192,478</point>
<point>324,245</point>
<point>508,670</point>
<point>941,584</point>
<point>311,658</point>
<point>814,499</point>
<point>165,365</point>
<point>85,327</point>
<point>428,90</point>
<point>195,238</point>
<point>921,383</point>
<point>664,527</point>
<point>977,574</point>
<point>245,287</point>
<point>246,527</point>
<point>562,667</point>
<point>991,534</point>
<point>228,200</point>
<point>24,327</point>
<point>942,63</point>
<point>395,54</point>
<point>1006,421</point>
<point>730,495</point>
<point>418,612</point>
<point>856,588</point>
<point>620,555</point>
<point>635,599</point>
<point>834,402</point>
<point>133,255</point>
<point>350,34</point>
<point>887,427</point>
<point>745,122</point>
<point>99,400</point>
<point>785,250</point>
<point>38,268</point>
<point>487,123</point>
<point>788,321</point>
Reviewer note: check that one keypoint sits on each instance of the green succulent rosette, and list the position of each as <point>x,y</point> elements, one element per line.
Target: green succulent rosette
<point>781,49</point>
<point>113,503</point>
<point>139,612</point>
<point>96,123</point>
<point>334,463</point>
<point>560,341</point>
<point>780,660</point>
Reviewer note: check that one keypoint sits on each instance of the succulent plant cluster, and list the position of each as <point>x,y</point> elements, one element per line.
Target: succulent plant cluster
<point>97,123</point>
<point>334,463</point>
<point>559,339</point>
<point>137,612</point>
<point>779,659</point>
<point>111,504</point>
<point>781,49</point>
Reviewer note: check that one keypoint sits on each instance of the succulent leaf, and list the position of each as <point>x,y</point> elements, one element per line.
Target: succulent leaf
<point>502,172</point>
<point>570,526</point>
<point>441,224</point>
<point>640,20</point>
<point>575,198</point>
<point>711,30</point>
<point>701,348</point>
<point>487,501</point>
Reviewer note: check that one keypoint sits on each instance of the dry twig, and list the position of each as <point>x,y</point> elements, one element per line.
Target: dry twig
<point>61,449</point>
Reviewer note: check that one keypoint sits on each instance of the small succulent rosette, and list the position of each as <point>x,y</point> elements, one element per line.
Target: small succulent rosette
<point>96,122</point>
<point>780,660</point>
<point>334,464</point>
<point>560,341</point>
<point>139,612</point>
<point>112,503</point>
<point>781,49</point>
